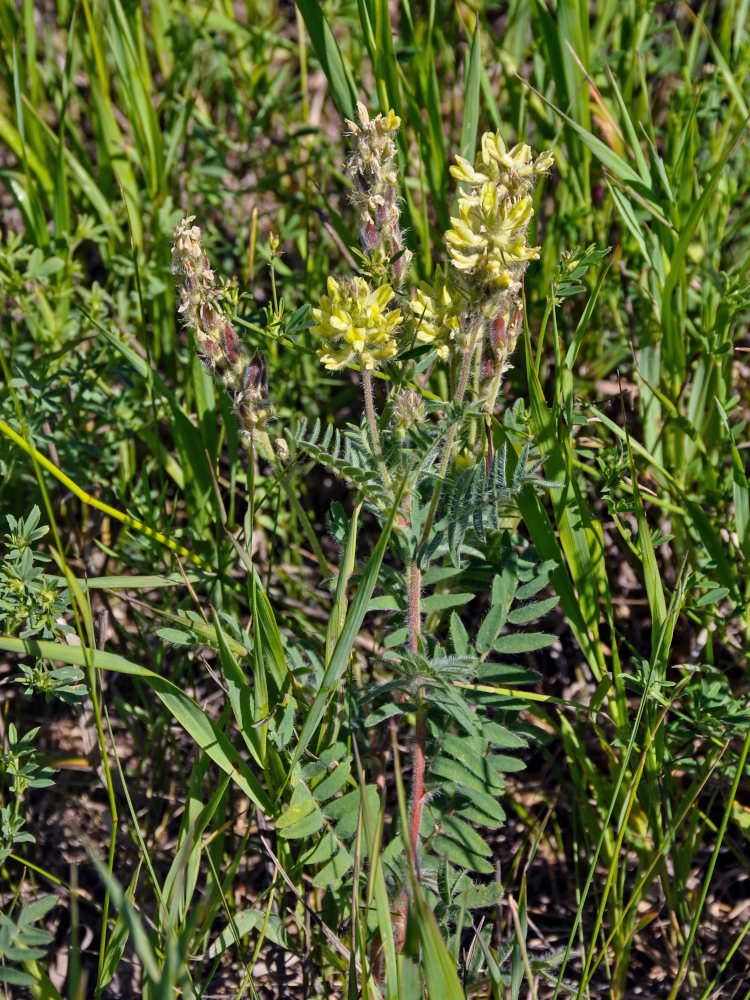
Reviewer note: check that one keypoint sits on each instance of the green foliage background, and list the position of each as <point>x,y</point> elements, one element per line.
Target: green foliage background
<point>117,119</point>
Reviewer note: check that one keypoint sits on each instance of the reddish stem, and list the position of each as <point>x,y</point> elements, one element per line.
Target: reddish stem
<point>413,617</point>
<point>417,781</point>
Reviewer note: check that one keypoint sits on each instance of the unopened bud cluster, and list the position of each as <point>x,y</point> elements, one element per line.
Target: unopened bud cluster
<point>219,347</point>
<point>407,408</point>
<point>372,167</point>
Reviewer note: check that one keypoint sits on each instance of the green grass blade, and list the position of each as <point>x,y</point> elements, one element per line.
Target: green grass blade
<point>191,717</point>
<point>740,489</point>
<point>338,74</point>
<point>579,541</point>
<point>338,612</point>
<point>241,697</point>
<point>470,122</point>
<point>357,611</point>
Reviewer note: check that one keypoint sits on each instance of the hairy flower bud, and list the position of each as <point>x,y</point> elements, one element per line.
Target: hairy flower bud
<point>407,408</point>
<point>371,165</point>
<point>219,348</point>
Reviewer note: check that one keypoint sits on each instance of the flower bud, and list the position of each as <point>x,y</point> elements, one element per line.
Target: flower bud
<point>499,332</point>
<point>369,235</point>
<point>255,376</point>
<point>407,409</point>
<point>231,344</point>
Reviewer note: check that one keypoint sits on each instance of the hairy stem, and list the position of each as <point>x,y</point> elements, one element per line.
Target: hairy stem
<point>414,580</point>
<point>417,782</point>
<point>413,585</point>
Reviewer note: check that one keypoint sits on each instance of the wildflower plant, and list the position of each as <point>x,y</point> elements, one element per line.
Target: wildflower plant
<point>449,512</point>
<point>260,733</point>
<point>445,500</point>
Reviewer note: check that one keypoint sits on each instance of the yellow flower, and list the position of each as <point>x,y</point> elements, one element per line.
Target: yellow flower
<point>356,323</point>
<point>511,168</point>
<point>488,240</point>
<point>489,236</point>
<point>438,312</point>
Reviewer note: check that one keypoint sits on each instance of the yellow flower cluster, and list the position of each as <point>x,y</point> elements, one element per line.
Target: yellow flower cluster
<point>488,240</point>
<point>356,324</point>
<point>438,308</point>
<point>516,168</point>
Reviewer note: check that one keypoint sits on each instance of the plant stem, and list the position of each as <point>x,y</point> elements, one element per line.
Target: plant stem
<point>413,585</point>
<point>416,805</point>
<point>413,582</point>
<point>417,782</point>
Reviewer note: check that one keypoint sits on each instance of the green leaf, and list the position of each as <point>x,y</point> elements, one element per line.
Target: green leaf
<point>176,636</point>
<point>118,938</point>
<point>346,568</point>
<point>524,642</point>
<point>531,612</point>
<point>439,967</point>
<point>470,107</point>
<point>460,855</point>
<point>249,920</point>
<point>459,636</point>
<point>439,602</point>
<point>32,912</point>
<point>503,587</point>
<point>301,806</point>
<point>241,697</point>
<point>345,812</point>
<point>334,782</point>
<point>468,784</point>
<point>304,827</point>
<point>478,762</point>
<point>323,851</point>
<point>336,868</point>
<point>15,977</point>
